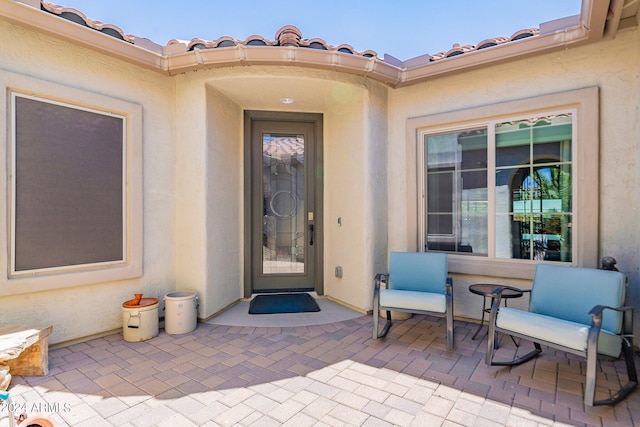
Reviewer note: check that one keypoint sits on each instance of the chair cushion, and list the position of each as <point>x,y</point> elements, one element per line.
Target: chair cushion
<point>562,332</point>
<point>569,293</point>
<point>418,271</point>
<point>413,300</point>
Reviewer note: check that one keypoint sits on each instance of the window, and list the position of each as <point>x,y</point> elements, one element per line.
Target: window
<point>68,208</point>
<point>534,188</point>
<point>74,189</point>
<point>497,187</point>
<point>456,191</point>
<point>532,191</point>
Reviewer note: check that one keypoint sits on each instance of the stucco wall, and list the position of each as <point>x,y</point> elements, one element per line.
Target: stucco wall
<point>346,180</point>
<point>224,202</point>
<point>209,194</point>
<point>612,66</point>
<point>356,152</point>
<point>82,311</point>
<point>191,196</point>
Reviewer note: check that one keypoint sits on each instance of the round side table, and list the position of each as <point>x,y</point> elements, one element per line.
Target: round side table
<point>486,291</point>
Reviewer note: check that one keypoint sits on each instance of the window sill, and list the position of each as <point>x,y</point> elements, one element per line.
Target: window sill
<point>512,269</point>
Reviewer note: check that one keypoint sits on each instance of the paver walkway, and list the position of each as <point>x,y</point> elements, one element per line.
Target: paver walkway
<point>325,375</point>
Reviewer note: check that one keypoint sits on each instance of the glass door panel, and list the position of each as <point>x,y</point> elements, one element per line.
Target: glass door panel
<point>285,234</point>
<point>283,196</point>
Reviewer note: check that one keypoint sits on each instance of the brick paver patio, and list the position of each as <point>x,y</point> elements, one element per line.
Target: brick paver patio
<point>324,375</point>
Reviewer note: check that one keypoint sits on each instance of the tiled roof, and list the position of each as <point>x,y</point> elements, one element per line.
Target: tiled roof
<point>459,50</point>
<point>78,17</point>
<point>288,35</point>
<point>598,19</point>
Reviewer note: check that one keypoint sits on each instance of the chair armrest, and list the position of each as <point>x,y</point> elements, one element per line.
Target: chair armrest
<point>598,309</point>
<point>627,319</point>
<point>496,294</point>
<point>380,278</point>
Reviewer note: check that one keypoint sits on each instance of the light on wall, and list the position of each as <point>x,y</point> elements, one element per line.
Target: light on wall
<point>286,100</point>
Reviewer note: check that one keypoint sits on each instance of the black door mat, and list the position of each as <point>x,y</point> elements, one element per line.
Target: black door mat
<point>283,303</point>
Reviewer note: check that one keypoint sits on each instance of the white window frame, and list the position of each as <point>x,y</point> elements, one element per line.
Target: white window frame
<point>583,105</point>
<point>131,266</point>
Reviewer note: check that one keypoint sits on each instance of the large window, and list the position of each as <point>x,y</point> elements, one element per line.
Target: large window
<point>73,188</point>
<point>68,207</point>
<point>500,188</point>
<point>531,214</point>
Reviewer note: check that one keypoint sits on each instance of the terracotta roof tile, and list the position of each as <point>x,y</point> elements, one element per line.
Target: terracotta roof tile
<point>491,42</point>
<point>78,17</point>
<point>287,36</point>
<point>523,34</point>
<point>458,50</point>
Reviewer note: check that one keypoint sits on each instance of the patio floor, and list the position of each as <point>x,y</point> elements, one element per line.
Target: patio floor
<point>331,374</point>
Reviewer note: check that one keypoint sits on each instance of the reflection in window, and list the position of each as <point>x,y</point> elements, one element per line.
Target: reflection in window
<point>456,175</point>
<point>532,214</point>
<point>533,189</point>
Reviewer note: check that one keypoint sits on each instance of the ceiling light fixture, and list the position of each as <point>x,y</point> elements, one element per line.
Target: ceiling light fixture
<point>286,100</point>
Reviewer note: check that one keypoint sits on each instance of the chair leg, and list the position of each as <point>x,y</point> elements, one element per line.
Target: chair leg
<point>590,380</point>
<point>450,328</point>
<point>492,337</point>
<point>621,394</point>
<point>376,320</point>
<point>525,358</point>
<point>386,328</point>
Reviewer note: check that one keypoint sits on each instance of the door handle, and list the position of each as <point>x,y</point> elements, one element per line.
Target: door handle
<point>311,234</point>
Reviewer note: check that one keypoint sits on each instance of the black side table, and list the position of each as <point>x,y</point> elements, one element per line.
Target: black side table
<point>486,291</point>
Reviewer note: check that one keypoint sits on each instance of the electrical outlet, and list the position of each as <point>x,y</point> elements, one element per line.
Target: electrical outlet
<point>339,271</point>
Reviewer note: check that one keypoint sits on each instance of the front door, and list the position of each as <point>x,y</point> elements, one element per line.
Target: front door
<point>284,202</point>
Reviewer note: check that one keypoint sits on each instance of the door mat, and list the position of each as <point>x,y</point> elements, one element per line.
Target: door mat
<point>283,303</point>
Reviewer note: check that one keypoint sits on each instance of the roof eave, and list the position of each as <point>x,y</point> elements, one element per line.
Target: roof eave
<point>241,55</point>
<point>24,14</point>
<point>588,27</point>
<point>593,17</point>
<point>508,51</point>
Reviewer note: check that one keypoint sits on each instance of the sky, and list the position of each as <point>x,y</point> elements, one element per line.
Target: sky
<point>403,29</point>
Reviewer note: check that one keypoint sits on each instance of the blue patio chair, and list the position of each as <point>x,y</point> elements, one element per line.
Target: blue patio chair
<point>417,283</point>
<point>576,310</point>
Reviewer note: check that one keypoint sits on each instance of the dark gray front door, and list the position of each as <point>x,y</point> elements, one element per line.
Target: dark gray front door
<point>284,204</point>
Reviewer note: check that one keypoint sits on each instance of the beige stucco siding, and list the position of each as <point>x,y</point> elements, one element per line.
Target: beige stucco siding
<point>224,197</point>
<point>82,311</point>
<point>612,66</point>
<point>345,180</point>
<point>191,204</point>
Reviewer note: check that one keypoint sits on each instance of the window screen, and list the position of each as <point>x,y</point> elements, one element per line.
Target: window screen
<point>68,207</point>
